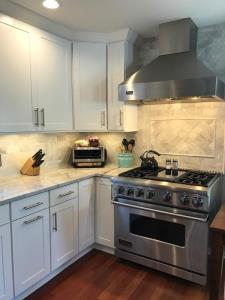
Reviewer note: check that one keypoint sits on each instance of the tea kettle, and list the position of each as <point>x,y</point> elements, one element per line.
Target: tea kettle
<point>148,160</point>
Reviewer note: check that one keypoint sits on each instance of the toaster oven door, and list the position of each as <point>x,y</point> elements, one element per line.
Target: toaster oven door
<point>88,155</point>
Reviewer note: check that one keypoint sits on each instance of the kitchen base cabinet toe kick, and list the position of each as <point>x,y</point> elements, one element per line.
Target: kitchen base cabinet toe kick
<point>45,233</point>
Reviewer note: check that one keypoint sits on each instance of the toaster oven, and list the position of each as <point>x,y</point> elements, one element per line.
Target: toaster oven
<point>89,157</point>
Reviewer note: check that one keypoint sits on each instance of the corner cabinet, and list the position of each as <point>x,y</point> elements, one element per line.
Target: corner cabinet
<point>104,213</point>
<point>86,213</point>
<point>15,84</point>
<point>89,86</point>
<point>121,116</point>
<point>52,83</point>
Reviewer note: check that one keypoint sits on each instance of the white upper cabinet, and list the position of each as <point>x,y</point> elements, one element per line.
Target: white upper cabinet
<point>15,83</point>
<point>89,86</point>
<point>121,116</point>
<point>52,61</point>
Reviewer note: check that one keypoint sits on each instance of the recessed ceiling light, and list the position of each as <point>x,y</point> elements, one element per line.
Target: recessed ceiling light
<point>51,4</point>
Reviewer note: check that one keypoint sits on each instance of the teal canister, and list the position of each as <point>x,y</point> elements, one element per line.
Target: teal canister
<point>125,160</point>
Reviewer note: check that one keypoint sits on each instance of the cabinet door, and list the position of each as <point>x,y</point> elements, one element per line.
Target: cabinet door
<point>31,250</point>
<point>52,61</point>
<point>6,285</point>
<point>64,232</point>
<point>104,213</point>
<point>116,75</point>
<point>121,116</point>
<point>15,84</point>
<point>89,78</point>
<point>86,213</point>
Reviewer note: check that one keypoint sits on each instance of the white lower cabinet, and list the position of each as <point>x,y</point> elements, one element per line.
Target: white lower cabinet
<point>86,213</point>
<point>6,284</point>
<point>31,250</point>
<point>64,232</point>
<point>26,259</point>
<point>104,218</point>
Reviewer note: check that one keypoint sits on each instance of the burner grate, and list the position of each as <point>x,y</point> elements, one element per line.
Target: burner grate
<point>141,173</point>
<point>196,178</point>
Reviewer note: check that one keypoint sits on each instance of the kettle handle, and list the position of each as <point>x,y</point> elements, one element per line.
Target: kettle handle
<point>154,152</point>
<point>144,155</point>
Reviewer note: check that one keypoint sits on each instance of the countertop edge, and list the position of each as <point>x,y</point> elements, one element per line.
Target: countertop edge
<point>7,200</point>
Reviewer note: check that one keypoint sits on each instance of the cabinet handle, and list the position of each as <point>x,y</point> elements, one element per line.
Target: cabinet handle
<point>43,117</point>
<point>121,117</point>
<point>66,194</point>
<point>33,205</point>
<point>103,118</point>
<point>33,220</point>
<point>55,222</point>
<point>36,116</point>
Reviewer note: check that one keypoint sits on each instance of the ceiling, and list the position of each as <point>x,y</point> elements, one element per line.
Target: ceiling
<point>142,16</point>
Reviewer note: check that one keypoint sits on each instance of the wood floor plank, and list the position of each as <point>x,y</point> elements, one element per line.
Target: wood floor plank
<point>101,276</point>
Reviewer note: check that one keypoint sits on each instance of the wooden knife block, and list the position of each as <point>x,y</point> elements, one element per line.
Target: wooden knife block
<point>27,168</point>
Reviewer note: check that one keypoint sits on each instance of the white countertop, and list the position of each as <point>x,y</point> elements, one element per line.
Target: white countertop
<point>13,188</point>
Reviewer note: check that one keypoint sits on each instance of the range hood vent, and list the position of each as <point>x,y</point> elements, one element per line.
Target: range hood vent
<point>176,74</point>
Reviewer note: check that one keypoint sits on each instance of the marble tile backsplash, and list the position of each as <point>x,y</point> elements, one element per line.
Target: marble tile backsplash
<point>16,148</point>
<point>193,133</point>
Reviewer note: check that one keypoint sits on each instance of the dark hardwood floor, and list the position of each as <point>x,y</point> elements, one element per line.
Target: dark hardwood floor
<point>102,276</point>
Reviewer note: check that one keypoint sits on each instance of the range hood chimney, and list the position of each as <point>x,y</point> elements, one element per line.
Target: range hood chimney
<point>176,74</point>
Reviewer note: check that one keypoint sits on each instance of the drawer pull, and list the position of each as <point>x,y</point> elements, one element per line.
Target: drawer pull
<point>66,194</point>
<point>55,222</point>
<point>36,116</point>
<point>33,220</point>
<point>33,205</point>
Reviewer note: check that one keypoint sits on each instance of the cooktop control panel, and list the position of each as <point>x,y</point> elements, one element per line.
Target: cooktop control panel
<point>178,198</point>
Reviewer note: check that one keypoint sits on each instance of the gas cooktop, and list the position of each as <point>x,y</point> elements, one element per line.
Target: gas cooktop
<point>190,177</point>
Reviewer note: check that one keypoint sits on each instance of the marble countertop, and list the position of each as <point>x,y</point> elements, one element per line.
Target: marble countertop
<point>20,186</point>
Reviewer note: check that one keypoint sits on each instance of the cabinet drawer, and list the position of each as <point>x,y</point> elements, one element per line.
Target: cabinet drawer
<point>4,214</point>
<point>63,194</point>
<point>29,205</point>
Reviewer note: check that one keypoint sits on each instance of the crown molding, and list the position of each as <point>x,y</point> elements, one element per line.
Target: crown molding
<point>20,13</point>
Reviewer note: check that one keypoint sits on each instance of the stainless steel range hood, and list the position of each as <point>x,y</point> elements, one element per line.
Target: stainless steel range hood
<point>176,74</point>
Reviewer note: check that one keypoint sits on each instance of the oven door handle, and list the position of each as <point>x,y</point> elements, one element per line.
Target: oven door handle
<point>161,212</point>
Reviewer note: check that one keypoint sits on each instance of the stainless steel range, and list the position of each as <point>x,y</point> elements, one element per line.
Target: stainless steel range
<point>161,221</point>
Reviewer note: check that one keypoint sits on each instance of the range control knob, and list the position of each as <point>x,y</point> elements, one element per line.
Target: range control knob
<point>150,194</point>
<point>184,199</point>
<point>167,197</point>
<point>139,193</point>
<point>121,189</point>
<point>130,192</point>
<point>197,201</point>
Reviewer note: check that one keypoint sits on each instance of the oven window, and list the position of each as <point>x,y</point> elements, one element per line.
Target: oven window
<point>169,232</point>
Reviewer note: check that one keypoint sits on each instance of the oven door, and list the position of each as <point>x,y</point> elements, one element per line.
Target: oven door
<point>172,236</point>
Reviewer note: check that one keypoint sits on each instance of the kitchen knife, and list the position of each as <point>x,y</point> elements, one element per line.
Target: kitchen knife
<point>37,154</point>
<point>40,163</point>
<point>37,161</point>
